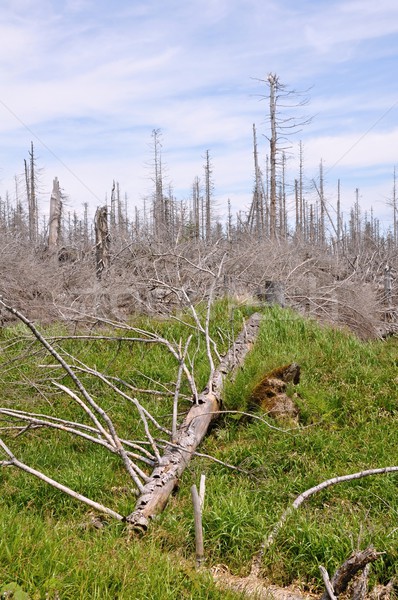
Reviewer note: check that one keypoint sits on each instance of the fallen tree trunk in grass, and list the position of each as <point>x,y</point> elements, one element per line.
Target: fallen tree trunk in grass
<point>193,429</point>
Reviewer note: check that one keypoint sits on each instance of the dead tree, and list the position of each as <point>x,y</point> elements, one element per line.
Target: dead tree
<point>273,83</point>
<point>282,126</point>
<point>31,193</point>
<point>321,233</point>
<point>196,206</point>
<point>55,216</point>
<point>102,240</point>
<point>256,213</point>
<point>159,209</point>
<point>208,195</point>
<point>165,476</point>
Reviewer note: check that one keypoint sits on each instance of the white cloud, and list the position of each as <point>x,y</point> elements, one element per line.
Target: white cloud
<point>92,78</point>
<point>355,150</point>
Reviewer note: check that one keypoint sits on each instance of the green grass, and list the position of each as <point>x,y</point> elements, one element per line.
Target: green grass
<point>348,422</point>
<point>47,555</point>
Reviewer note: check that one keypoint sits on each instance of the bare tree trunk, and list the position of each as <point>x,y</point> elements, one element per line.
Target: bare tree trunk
<point>301,199</point>
<point>208,187</point>
<point>338,216</point>
<point>113,208</point>
<point>256,216</point>
<point>297,207</point>
<point>283,223</point>
<point>55,216</point>
<point>158,199</point>
<point>196,208</point>
<point>30,180</point>
<point>312,237</point>
<point>388,286</point>
<point>176,456</point>
<point>273,82</point>
<point>102,240</point>
<point>322,206</point>
<point>229,223</point>
<point>86,234</point>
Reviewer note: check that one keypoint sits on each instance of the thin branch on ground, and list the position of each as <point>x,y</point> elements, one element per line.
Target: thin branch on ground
<point>256,562</point>
<point>13,461</point>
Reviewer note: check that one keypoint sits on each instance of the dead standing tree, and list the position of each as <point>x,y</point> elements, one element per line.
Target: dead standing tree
<point>282,126</point>
<point>31,193</point>
<point>209,185</point>
<point>102,240</point>
<point>258,210</point>
<point>55,216</point>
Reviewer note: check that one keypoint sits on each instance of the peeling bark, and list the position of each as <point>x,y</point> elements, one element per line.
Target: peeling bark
<point>193,429</point>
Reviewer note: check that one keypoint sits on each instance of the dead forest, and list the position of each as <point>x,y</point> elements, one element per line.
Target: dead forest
<point>128,261</point>
<point>333,265</point>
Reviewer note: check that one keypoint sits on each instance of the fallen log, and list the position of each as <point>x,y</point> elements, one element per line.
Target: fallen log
<point>191,432</point>
<point>356,562</point>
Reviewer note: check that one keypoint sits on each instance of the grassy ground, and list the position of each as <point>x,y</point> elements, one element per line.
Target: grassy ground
<point>348,422</point>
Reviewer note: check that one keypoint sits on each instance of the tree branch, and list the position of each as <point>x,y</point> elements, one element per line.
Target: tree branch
<point>256,562</point>
<point>13,461</point>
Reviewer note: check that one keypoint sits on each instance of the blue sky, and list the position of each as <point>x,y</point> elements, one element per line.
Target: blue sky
<point>88,81</point>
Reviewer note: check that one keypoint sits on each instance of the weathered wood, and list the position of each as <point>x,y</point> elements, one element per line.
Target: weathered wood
<point>197,511</point>
<point>55,216</point>
<point>388,286</point>
<point>360,587</point>
<point>356,562</point>
<point>327,582</point>
<point>102,240</point>
<point>193,429</point>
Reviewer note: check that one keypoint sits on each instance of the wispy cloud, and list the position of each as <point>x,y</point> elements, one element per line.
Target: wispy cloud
<point>91,79</point>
